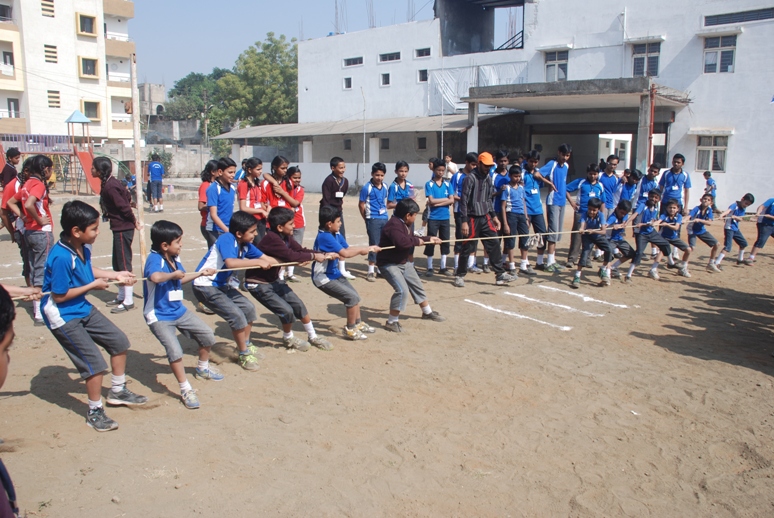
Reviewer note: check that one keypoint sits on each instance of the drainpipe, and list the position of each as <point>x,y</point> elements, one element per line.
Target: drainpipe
<point>652,122</point>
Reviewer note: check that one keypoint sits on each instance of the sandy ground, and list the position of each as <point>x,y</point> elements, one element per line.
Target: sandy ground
<point>656,402</point>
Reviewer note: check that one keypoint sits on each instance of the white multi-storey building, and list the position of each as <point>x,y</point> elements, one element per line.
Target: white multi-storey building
<point>62,56</point>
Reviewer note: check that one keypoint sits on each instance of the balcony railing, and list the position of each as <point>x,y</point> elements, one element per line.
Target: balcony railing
<point>120,36</point>
<point>6,70</point>
<point>11,114</point>
<point>37,143</point>
<point>119,77</point>
<point>121,117</point>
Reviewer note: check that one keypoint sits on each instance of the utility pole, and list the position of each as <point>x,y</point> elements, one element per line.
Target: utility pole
<point>206,135</point>
<point>138,157</point>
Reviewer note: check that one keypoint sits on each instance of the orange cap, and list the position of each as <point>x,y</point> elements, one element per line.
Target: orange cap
<point>486,158</point>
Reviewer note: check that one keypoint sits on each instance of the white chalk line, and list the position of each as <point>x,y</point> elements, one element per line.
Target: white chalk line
<point>512,314</point>
<point>584,297</point>
<point>560,306</point>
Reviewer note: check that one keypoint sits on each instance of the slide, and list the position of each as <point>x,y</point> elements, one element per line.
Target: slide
<point>85,158</point>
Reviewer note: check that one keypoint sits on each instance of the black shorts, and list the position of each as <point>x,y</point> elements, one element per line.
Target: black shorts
<point>122,250</point>
<point>678,243</point>
<point>625,248</point>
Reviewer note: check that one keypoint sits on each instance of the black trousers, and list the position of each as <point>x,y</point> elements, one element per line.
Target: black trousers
<point>481,226</point>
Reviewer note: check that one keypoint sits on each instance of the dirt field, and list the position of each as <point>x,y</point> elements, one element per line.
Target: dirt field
<point>653,400</point>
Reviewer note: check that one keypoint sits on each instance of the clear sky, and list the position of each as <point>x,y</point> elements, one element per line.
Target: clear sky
<point>176,37</point>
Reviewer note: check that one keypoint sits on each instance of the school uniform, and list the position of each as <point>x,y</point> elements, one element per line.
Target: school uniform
<point>208,237</point>
<point>625,192</point>
<point>18,234</point>
<point>731,230</point>
<point>39,238</point>
<point>617,236</point>
<point>556,201</point>
<point>586,190</point>
<point>477,209</point>
<point>77,325</point>
<point>219,291</point>
<point>222,198</point>
<point>117,204</point>
<point>438,223</point>
<point>610,184</point>
<point>164,311</point>
<point>765,225</point>
<point>673,236</point>
<point>589,241</point>
<point>375,212</point>
<point>254,199</point>
<point>456,185</point>
<point>672,185</point>
<point>647,234</point>
<point>326,275</point>
<point>393,263</point>
<point>333,192</point>
<point>299,218</point>
<point>515,212</point>
<point>697,230</point>
<point>532,202</point>
<point>645,187</point>
<point>156,174</point>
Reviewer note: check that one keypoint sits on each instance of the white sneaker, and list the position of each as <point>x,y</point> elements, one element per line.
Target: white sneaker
<point>348,276</point>
<point>684,272</point>
<point>653,274</point>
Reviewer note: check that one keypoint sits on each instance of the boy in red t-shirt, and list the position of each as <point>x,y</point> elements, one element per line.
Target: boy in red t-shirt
<point>250,195</point>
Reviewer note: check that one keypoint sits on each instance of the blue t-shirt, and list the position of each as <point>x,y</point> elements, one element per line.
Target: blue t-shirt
<point>239,175</point>
<point>501,180</point>
<point>617,234</point>
<point>513,198</point>
<point>328,270</point>
<point>156,171</point>
<point>532,193</point>
<point>672,185</point>
<point>668,233</point>
<point>226,247</point>
<point>222,198</point>
<point>395,193</point>
<point>711,187</point>
<point>375,199</point>
<point>647,215</point>
<point>158,302</point>
<point>557,175</point>
<point>696,227</point>
<point>65,270</point>
<point>768,209</point>
<point>456,185</point>
<point>610,183</point>
<point>645,187</point>
<point>586,190</point>
<point>732,224</point>
<point>594,223</point>
<point>442,191</point>
<point>625,191</point>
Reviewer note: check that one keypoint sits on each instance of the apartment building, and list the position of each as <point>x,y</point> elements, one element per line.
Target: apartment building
<point>61,56</point>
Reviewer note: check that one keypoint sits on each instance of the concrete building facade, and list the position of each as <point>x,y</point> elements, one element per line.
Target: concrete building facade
<point>66,56</point>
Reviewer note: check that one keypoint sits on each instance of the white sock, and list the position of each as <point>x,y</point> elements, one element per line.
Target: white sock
<point>524,264</point>
<point>427,310</point>
<point>607,270</point>
<point>203,365</point>
<point>670,260</point>
<point>342,266</point>
<point>577,274</point>
<point>290,271</point>
<point>486,261</point>
<point>185,386</point>
<point>720,257</point>
<point>429,263</point>
<point>741,255</point>
<point>117,382</point>
<point>287,335</point>
<point>655,266</point>
<point>391,319</point>
<point>456,261</point>
<point>161,206</point>
<point>309,328</point>
<point>95,404</point>
<point>616,264</point>
<point>282,273</point>
<point>511,266</point>
<point>471,261</point>
<point>540,259</point>
<point>128,296</point>
<point>121,293</point>
<point>36,309</point>
<point>551,258</point>
<point>751,257</point>
<point>443,262</point>
<point>631,270</point>
<point>371,268</point>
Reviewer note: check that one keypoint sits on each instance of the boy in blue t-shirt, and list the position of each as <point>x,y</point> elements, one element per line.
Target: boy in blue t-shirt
<point>733,215</point>
<point>593,230</point>
<point>647,184</point>
<point>765,226</point>
<point>700,217</point>
<point>555,175</point>
<point>164,311</point>
<point>220,198</point>
<point>75,323</point>
<point>587,188</point>
<point>617,223</point>
<point>155,175</point>
<point>671,221</point>
<point>218,291</point>
<point>647,221</point>
<point>711,188</point>
<point>440,197</point>
<point>533,181</point>
<point>373,209</point>
<point>514,219</point>
<point>675,184</point>
<point>327,277</point>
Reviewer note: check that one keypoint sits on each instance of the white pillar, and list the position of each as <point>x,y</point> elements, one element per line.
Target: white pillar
<point>373,149</point>
<point>236,153</point>
<point>473,129</point>
<point>306,152</point>
<point>643,128</point>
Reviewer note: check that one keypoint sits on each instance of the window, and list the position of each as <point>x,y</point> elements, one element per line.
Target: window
<point>646,59</point>
<point>347,83</point>
<point>385,79</point>
<point>711,154</point>
<point>47,8</point>
<point>423,76</point>
<point>423,53</point>
<point>351,62</point>
<point>89,68</point>
<point>5,13</point>
<point>54,99</point>
<point>50,53</point>
<point>385,143</point>
<point>8,58</point>
<point>744,16</point>
<point>13,108</point>
<point>421,142</point>
<point>87,25</point>
<point>91,109</point>
<point>556,66</point>
<point>347,144</point>
<point>392,56</point>
<point>719,54</point>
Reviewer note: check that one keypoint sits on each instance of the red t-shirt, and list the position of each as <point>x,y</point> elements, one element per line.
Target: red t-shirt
<point>35,187</point>
<point>271,199</point>
<point>10,190</point>
<point>203,199</point>
<point>298,194</point>
<point>253,196</point>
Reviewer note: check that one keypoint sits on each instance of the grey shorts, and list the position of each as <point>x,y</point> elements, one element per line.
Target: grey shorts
<point>298,235</point>
<point>156,188</point>
<point>39,243</point>
<point>341,289</point>
<point>678,243</point>
<point>278,298</point>
<point>79,338</point>
<point>705,237</point>
<point>24,252</point>
<point>555,215</point>
<point>227,303</point>
<point>405,281</point>
<point>190,325</point>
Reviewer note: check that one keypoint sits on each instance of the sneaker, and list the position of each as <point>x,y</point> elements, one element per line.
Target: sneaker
<point>429,273</point>
<point>125,397</point>
<point>354,334</point>
<point>540,267</point>
<point>459,282</point>
<point>628,280</point>
<point>575,284</point>
<point>371,277</point>
<point>97,419</point>
<point>617,254</point>
<point>201,308</point>
<point>597,257</point>
<point>570,264</point>
<point>684,272</point>
<point>653,274</point>
<point>292,278</point>
<point>434,316</point>
<point>475,269</point>
<point>749,262</point>
<point>190,399</point>
<point>505,278</point>
<point>122,308</point>
<point>296,343</point>
<point>248,362</point>
<point>252,349</point>
<point>487,269</point>
<point>713,268</point>
<point>420,232</point>
<point>39,322</point>
<point>605,278</point>
<point>552,268</point>
<point>673,266</point>
<point>446,272</point>
<point>114,302</point>
<point>210,374</point>
<point>364,328</point>
<point>528,271</point>
<point>559,267</point>
<point>321,343</point>
<point>719,267</point>
<point>394,327</point>
<point>348,276</point>
<point>614,273</point>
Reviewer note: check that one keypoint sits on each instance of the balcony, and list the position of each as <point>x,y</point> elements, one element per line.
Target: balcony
<point>7,71</point>
<point>121,8</point>
<point>119,48</point>
<point>12,122</point>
